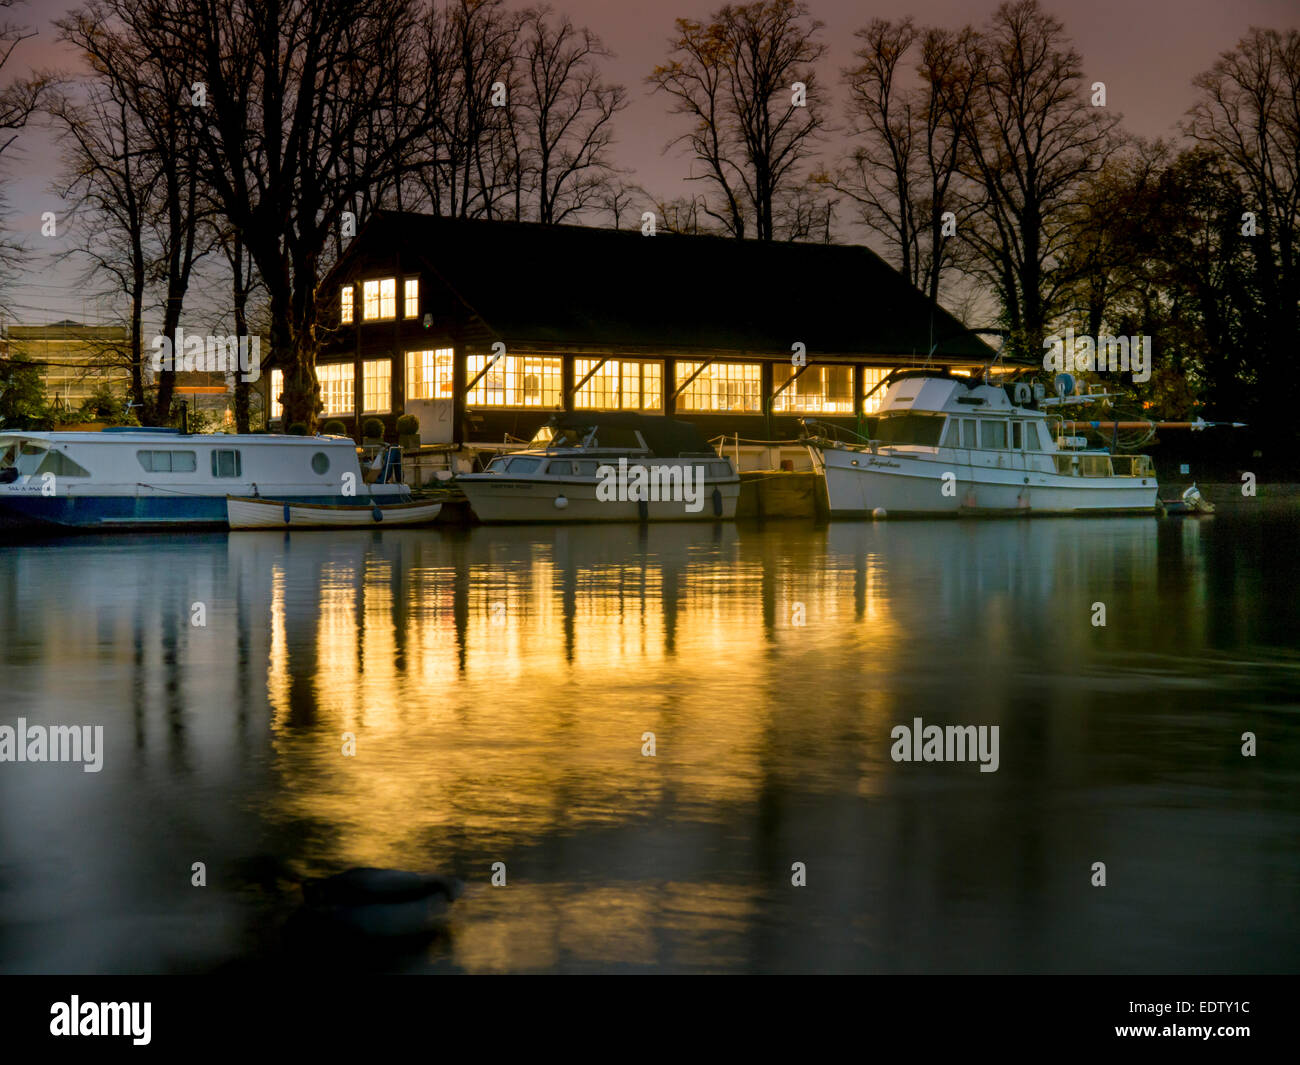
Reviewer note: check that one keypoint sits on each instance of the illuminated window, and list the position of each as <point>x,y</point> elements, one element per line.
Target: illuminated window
<point>819,389</point>
<point>345,305</point>
<point>429,374</point>
<point>336,387</point>
<point>730,386</point>
<point>377,385</point>
<point>412,297</point>
<point>514,381</point>
<point>379,299</point>
<point>277,387</point>
<point>870,378</point>
<point>618,384</point>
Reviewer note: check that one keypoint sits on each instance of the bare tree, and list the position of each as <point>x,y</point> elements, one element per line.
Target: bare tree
<point>566,113</point>
<point>19,99</point>
<point>286,92</point>
<point>902,171</point>
<point>1033,139</point>
<point>1249,114</point>
<point>112,180</point>
<point>747,84</point>
<point>131,158</point>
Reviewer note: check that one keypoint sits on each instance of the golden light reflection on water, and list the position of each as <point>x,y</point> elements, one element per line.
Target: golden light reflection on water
<point>499,683</point>
<point>499,689</point>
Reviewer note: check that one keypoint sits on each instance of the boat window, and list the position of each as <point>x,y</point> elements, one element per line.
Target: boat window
<point>29,457</point>
<point>524,465</point>
<point>920,429</point>
<point>968,437</point>
<point>587,468</point>
<point>320,463</point>
<point>719,469</point>
<point>497,465</point>
<point>993,434</point>
<point>1016,439</point>
<point>952,433</point>
<point>560,468</point>
<point>1031,437</point>
<point>618,436</point>
<point>167,461</point>
<point>57,463</point>
<point>226,464</point>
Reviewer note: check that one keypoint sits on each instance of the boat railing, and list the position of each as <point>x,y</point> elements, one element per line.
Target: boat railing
<point>1092,464</point>
<point>836,434</point>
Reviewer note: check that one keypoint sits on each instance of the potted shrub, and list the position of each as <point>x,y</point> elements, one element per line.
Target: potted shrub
<point>297,429</point>
<point>372,431</point>
<point>408,432</point>
<point>334,427</point>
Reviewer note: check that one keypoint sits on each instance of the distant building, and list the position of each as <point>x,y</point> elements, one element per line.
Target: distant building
<point>74,360</point>
<point>483,329</point>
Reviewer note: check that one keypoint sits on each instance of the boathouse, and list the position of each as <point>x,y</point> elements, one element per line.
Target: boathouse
<point>483,329</point>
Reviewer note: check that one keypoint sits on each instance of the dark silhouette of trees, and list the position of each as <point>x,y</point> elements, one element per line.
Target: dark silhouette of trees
<point>734,78</point>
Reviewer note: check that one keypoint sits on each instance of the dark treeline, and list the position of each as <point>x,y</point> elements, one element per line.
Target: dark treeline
<point>258,134</point>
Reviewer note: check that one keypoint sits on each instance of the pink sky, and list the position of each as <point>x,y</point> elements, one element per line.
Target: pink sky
<point>1146,51</point>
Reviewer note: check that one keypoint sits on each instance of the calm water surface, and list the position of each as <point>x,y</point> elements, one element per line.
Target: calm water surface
<point>498,683</point>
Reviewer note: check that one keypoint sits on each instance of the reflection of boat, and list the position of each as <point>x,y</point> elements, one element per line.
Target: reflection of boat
<point>244,512</point>
<point>607,467</point>
<point>162,478</point>
<point>1190,504</point>
<point>950,445</point>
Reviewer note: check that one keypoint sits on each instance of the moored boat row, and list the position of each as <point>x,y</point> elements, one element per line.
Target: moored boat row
<point>942,445</point>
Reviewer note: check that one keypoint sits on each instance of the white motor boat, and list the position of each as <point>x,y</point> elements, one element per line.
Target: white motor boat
<point>607,468</point>
<point>946,445</point>
<point>162,478</point>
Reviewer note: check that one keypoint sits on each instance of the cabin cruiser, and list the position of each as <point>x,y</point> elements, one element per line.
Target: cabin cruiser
<point>951,445</point>
<point>128,478</point>
<point>607,467</point>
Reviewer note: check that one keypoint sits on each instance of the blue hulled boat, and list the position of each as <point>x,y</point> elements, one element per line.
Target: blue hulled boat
<point>162,478</point>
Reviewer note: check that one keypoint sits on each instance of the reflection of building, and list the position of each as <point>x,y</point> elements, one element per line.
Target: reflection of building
<point>75,360</point>
<point>483,328</point>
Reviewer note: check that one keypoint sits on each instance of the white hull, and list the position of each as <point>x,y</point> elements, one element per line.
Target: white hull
<point>502,500</point>
<point>242,513</point>
<point>858,482</point>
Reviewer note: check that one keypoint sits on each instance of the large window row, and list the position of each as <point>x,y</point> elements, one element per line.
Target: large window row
<point>614,384</point>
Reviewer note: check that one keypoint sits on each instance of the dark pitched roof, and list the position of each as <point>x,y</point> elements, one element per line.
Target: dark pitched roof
<point>582,285</point>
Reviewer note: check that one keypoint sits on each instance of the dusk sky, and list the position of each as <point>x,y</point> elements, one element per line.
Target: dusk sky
<point>1146,52</point>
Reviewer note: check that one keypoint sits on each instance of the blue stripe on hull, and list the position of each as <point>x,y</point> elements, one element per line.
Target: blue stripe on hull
<point>99,513</point>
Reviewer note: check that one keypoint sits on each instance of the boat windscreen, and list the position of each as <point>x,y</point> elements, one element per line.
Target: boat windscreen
<point>919,429</point>
<point>29,457</point>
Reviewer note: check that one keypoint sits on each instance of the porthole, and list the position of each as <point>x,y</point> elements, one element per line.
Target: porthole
<point>320,462</point>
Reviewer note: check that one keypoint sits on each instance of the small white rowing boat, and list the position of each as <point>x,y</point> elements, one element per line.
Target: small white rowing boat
<point>244,512</point>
